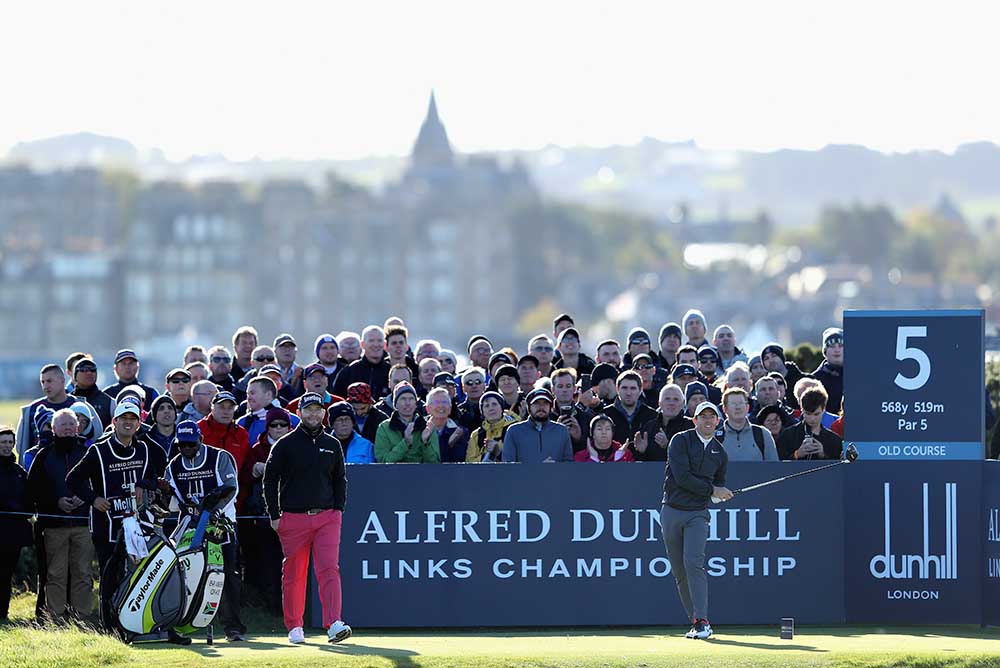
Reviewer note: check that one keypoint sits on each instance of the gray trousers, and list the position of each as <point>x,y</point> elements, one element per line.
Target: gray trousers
<point>685,533</point>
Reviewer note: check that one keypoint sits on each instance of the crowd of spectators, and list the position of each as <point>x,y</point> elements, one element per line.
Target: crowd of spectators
<point>388,400</point>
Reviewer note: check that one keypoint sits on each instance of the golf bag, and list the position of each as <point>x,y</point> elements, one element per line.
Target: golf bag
<point>198,540</point>
<point>150,597</point>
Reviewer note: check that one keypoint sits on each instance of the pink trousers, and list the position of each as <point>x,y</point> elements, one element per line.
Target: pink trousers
<point>301,533</point>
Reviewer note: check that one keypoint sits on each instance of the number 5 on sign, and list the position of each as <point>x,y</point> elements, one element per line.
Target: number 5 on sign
<point>916,354</point>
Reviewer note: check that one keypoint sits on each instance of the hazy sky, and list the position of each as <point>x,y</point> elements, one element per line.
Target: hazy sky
<point>347,78</point>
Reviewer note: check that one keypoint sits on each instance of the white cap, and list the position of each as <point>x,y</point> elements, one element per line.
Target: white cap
<point>127,407</point>
<point>710,406</point>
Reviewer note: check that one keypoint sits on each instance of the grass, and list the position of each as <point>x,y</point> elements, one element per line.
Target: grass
<point>23,645</point>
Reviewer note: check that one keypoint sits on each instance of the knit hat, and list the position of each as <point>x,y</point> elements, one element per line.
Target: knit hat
<point>755,360</point>
<point>772,349</point>
<point>832,336</point>
<point>506,370</point>
<point>84,363</point>
<point>601,372</point>
<point>498,357</point>
<point>694,314</point>
<point>276,414</point>
<point>158,403</point>
<point>340,409</point>
<point>490,394</point>
<point>43,417</point>
<point>693,388</point>
<point>402,389</point>
<point>597,419</point>
<point>324,338</point>
<point>638,335</point>
<point>671,329</point>
<point>477,337</point>
<point>708,350</point>
<point>359,393</point>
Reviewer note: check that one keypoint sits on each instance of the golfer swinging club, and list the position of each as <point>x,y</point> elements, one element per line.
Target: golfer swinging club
<point>696,471</point>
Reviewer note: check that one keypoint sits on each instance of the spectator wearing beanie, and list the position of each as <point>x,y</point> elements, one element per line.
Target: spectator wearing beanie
<point>670,340</point>
<point>508,385</point>
<point>695,328</point>
<point>773,358</point>
<point>343,423</point>
<point>709,363</point>
<point>602,447</point>
<point>328,354</point>
<point>695,392</point>
<point>830,372</point>
<point>406,436</point>
<point>638,342</point>
<point>367,419</point>
<point>486,441</point>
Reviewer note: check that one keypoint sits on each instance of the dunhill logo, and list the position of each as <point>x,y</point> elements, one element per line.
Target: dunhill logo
<point>907,566</point>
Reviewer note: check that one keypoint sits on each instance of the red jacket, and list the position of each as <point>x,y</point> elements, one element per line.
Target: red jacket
<point>232,438</point>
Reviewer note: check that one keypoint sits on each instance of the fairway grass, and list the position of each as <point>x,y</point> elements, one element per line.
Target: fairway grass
<point>23,646</point>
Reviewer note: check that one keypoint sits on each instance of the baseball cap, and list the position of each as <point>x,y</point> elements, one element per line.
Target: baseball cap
<point>269,368</point>
<point>527,358</point>
<point>225,395</point>
<point>178,372</point>
<point>310,399</point>
<point>127,406</point>
<point>124,354</point>
<point>85,364</point>
<point>282,339</point>
<point>684,370</point>
<point>641,357</point>
<point>708,405</point>
<point>443,379</point>
<point>187,432</point>
<point>569,331</point>
<point>537,394</point>
<point>313,368</point>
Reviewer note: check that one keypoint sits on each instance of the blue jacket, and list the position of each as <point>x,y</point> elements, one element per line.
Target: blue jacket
<point>359,450</point>
<point>530,442</point>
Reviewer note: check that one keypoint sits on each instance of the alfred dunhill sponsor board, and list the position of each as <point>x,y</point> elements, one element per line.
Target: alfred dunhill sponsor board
<point>990,532</point>
<point>913,550</point>
<point>568,544</point>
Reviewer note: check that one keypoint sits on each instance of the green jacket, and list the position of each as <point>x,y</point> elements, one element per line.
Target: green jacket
<point>390,446</point>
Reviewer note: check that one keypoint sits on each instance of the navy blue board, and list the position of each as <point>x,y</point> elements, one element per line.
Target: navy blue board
<point>991,543</point>
<point>913,384</point>
<point>524,545</point>
<point>914,553</point>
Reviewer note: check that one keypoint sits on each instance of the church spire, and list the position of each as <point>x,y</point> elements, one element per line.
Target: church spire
<point>432,149</point>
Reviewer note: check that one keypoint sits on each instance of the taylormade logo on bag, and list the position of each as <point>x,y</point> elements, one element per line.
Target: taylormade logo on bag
<point>923,565</point>
<point>136,602</point>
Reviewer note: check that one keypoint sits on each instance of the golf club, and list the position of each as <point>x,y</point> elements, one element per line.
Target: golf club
<point>850,454</point>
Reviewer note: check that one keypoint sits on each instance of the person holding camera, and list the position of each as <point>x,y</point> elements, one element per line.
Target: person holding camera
<point>569,412</point>
<point>809,439</point>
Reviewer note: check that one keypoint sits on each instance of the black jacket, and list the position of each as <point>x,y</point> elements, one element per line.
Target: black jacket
<point>584,364</point>
<point>100,401</point>
<point>47,482</point>
<point>14,531</point>
<point>791,438</point>
<point>793,374</point>
<point>675,425</point>
<point>363,371</point>
<point>693,469</point>
<point>304,472</point>
<point>832,378</point>
<point>625,428</point>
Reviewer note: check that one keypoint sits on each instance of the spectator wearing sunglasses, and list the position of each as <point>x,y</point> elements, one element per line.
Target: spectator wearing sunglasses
<point>220,363</point>
<point>643,365</point>
<point>85,387</point>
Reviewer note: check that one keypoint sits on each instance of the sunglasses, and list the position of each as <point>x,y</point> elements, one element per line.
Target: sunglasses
<point>278,425</point>
<point>472,382</point>
<point>262,358</point>
<point>219,359</point>
<point>176,381</point>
